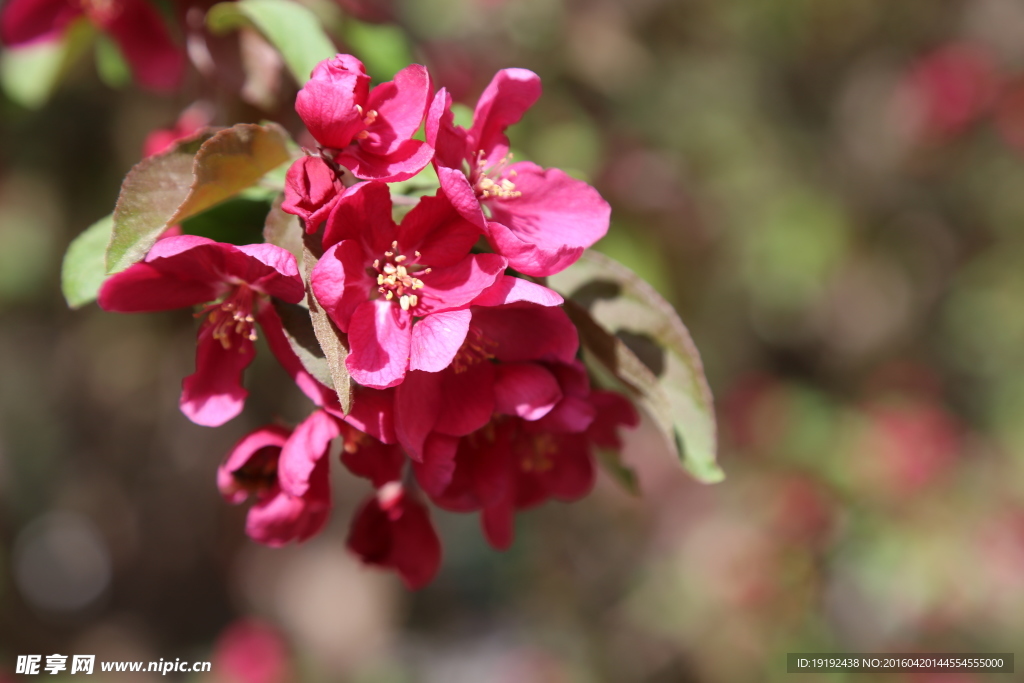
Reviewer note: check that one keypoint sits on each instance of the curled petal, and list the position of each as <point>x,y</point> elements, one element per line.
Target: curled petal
<point>214,394</point>
<point>508,289</point>
<point>526,390</point>
<point>507,97</point>
<point>339,282</point>
<point>401,105</point>
<point>254,448</point>
<point>526,331</point>
<point>456,286</point>
<point>305,448</point>
<point>409,158</point>
<point>435,472</point>
<point>311,190</point>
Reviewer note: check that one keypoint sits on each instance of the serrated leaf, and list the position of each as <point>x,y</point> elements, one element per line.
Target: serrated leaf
<point>298,330</point>
<point>192,176</point>
<point>333,342</point>
<point>606,299</point>
<point>288,26</point>
<point>83,270</point>
<point>283,230</point>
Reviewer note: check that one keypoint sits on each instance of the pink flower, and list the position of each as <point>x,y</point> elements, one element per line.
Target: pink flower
<point>541,220</point>
<point>393,530</point>
<point>490,373</point>
<point>190,270</point>
<point>135,25</point>
<point>311,191</point>
<point>514,463</point>
<point>251,468</point>
<point>396,290</point>
<point>251,651</point>
<point>370,132</point>
<point>951,88</point>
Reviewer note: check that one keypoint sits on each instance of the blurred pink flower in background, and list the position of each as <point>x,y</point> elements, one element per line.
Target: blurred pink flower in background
<point>950,88</point>
<point>251,651</point>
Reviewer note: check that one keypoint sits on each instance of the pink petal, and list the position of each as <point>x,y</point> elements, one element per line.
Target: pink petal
<point>327,103</point>
<point>498,522</point>
<point>435,229</point>
<point>311,191</point>
<point>284,518</point>
<point>140,31</point>
<point>571,416</point>
<point>408,158</point>
<point>340,283</point>
<point>437,338</point>
<point>271,270</point>
<point>143,288</point>
<point>417,405</point>
<point>401,538</point>
<point>28,21</point>
<point>214,394</point>
<point>448,140</point>
<point>435,472</point>
<point>401,105</point>
<point>460,193</point>
<point>545,229</point>
<point>456,286</point>
<point>525,389</point>
<point>613,410</point>
<point>370,459</point>
<point>373,412</point>
<point>305,448</point>
<point>466,399</point>
<point>363,213</point>
<point>573,475</point>
<point>176,244</point>
<point>507,97</point>
<point>380,335</point>
<point>525,331</point>
<point>508,289</point>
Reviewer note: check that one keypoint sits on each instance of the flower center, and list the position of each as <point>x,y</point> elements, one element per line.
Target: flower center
<point>475,349</point>
<point>232,317</point>
<point>488,182</point>
<point>368,119</point>
<point>396,277</point>
<point>538,457</point>
<point>259,473</point>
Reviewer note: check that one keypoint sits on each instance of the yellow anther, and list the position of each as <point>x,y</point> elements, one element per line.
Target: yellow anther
<point>400,258</point>
<point>389,268</point>
<point>376,263</point>
<point>390,295</point>
<point>404,302</point>
<point>413,300</point>
<point>402,272</point>
<point>380,278</point>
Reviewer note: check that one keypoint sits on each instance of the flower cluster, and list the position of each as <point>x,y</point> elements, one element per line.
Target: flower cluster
<point>467,392</point>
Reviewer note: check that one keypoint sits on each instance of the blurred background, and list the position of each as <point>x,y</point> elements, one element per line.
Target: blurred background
<point>831,194</point>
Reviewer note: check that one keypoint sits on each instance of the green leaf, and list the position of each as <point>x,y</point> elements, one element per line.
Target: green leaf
<point>290,27</point>
<point>111,66</point>
<point>84,270</point>
<point>383,48</point>
<point>630,332</point>
<point>194,175</point>
<point>30,74</point>
<point>333,341</point>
